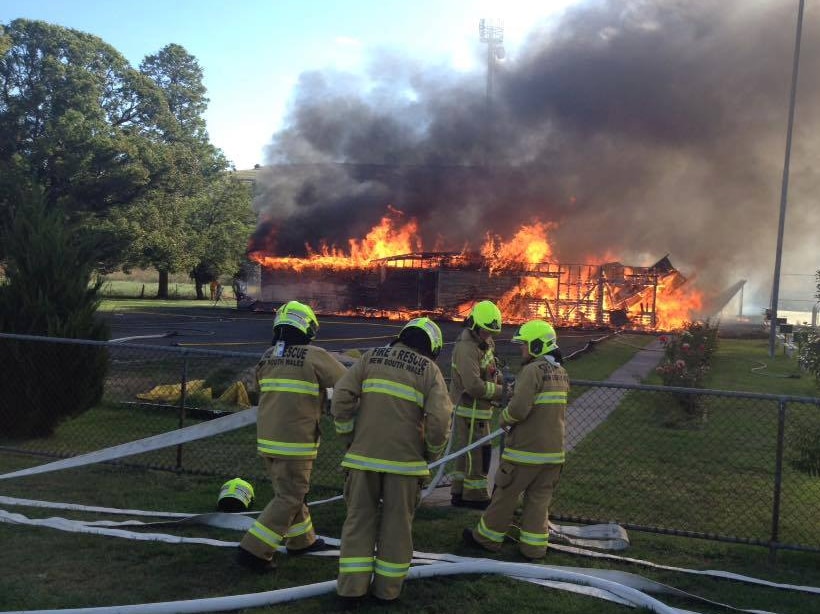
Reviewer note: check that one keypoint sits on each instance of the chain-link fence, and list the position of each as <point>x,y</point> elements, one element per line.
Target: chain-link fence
<point>729,465</point>
<point>722,465</point>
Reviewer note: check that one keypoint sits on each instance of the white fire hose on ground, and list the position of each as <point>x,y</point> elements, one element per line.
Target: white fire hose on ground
<point>553,576</point>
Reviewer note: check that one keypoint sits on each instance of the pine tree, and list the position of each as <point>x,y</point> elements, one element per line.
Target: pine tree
<point>48,291</point>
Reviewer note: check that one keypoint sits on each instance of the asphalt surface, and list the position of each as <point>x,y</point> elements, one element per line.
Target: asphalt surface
<point>229,329</point>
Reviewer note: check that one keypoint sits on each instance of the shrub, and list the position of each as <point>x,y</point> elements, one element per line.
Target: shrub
<point>805,439</point>
<point>688,354</point>
<point>687,358</point>
<point>808,355</point>
<point>48,292</point>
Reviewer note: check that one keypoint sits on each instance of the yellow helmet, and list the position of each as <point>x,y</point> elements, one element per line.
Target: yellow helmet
<point>298,315</point>
<point>539,336</point>
<point>430,329</point>
<point>236,495</point>
<point>486,315</point>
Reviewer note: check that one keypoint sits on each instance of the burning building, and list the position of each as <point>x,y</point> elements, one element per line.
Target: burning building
<point>628,123</point>
<point>383,275</point>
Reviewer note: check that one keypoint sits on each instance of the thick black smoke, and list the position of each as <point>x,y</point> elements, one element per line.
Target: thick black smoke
<point>641,128</point>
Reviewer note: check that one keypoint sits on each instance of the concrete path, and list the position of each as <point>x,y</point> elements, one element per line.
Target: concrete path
<point>586,412</point>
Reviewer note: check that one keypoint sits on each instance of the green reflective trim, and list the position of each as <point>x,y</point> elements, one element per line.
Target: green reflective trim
<point>394,389</point>
<point>365,463</point>
<point>493,536</point>
<point>263,533</point>
<point>545,398</point>
<point>506,417</point>
<point>534,539</point>
<point>300,529</point>
<point>457,475</point>
<point>356,564</point>
<point>297,386</point>
<point>487,359</point>
<point>239,489</point>
<point>391,570</point>
<point>343,427</point>
<point>476,484</point>
<point>435,449</point>
<point>489,389</point>
<point>532,458</point>
<point>478,414</point>
<point>285,448</point>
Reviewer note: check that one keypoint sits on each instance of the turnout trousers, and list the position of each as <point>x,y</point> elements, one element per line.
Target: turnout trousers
<point>537,484</point>
<point>470,476</point>
<point>377,536</point>
<point>286,519</point>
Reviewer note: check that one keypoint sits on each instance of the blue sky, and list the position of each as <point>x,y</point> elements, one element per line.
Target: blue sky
<point>253,51</point>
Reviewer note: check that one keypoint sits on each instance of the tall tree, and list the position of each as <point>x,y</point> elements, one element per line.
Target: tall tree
<point>77,120</point>
<point>223,220</point>
<point>49,290</point>
<point>195,162</point>
<point>179,75</point>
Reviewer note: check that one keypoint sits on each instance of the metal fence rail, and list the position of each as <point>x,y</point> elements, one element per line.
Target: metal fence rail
<point>723,465</point>
<point>715,464</point>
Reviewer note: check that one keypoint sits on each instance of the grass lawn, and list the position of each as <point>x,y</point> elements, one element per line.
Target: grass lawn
<point>634,464</point>
<point>712,473</point>
<point>55,569</point>
<point>141,284</point>
<point>126,304</point>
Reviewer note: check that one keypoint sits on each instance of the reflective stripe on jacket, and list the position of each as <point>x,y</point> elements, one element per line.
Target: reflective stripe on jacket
<point>292,389</point>
<point>472,377</point>
<point>537,413</point>
<point>393,404</point>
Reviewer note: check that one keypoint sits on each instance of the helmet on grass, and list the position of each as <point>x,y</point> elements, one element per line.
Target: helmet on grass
<point>236,495</point>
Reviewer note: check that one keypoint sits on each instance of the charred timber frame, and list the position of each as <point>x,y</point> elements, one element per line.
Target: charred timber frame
<point>444,282</point>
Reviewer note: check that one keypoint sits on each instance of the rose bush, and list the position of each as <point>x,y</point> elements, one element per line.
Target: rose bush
<point>687,358</point>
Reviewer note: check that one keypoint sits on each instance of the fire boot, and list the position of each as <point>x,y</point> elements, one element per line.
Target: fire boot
<point>457,501</point>
<point>317,546</point>
<point>254,563</point>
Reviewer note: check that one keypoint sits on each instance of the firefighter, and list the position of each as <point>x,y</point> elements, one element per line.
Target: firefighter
<point>293,377</point>
<point>475,383</point>
<point>393,408</point>
<point>534,452</point>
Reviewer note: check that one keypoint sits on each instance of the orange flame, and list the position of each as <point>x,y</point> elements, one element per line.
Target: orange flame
<point>390,237</point>
<point>560,293</point>
<point>528,246</point>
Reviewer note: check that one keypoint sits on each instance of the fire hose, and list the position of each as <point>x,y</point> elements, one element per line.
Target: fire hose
<point>241,522</point>
<point>627,594</point>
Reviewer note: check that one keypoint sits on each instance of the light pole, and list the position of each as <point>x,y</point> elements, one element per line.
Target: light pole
<point>785,185</point>
<point>491,32</point>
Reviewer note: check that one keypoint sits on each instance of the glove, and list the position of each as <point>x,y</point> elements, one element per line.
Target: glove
<point>509,387</point>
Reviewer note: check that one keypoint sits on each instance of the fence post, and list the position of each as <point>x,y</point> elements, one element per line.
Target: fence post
<point>183,391</point>
<point>778,481</point>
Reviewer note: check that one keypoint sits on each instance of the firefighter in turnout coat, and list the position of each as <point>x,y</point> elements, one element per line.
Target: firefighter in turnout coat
<point>293,377</point>
<point>534,452</point>
<point>394,409</point>
<point>475,383</point>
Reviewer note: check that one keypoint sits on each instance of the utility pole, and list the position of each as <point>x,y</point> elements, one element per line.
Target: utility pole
<point>785,185</point>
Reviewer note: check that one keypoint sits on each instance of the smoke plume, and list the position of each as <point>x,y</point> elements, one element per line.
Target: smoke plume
<point>640,128</point>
